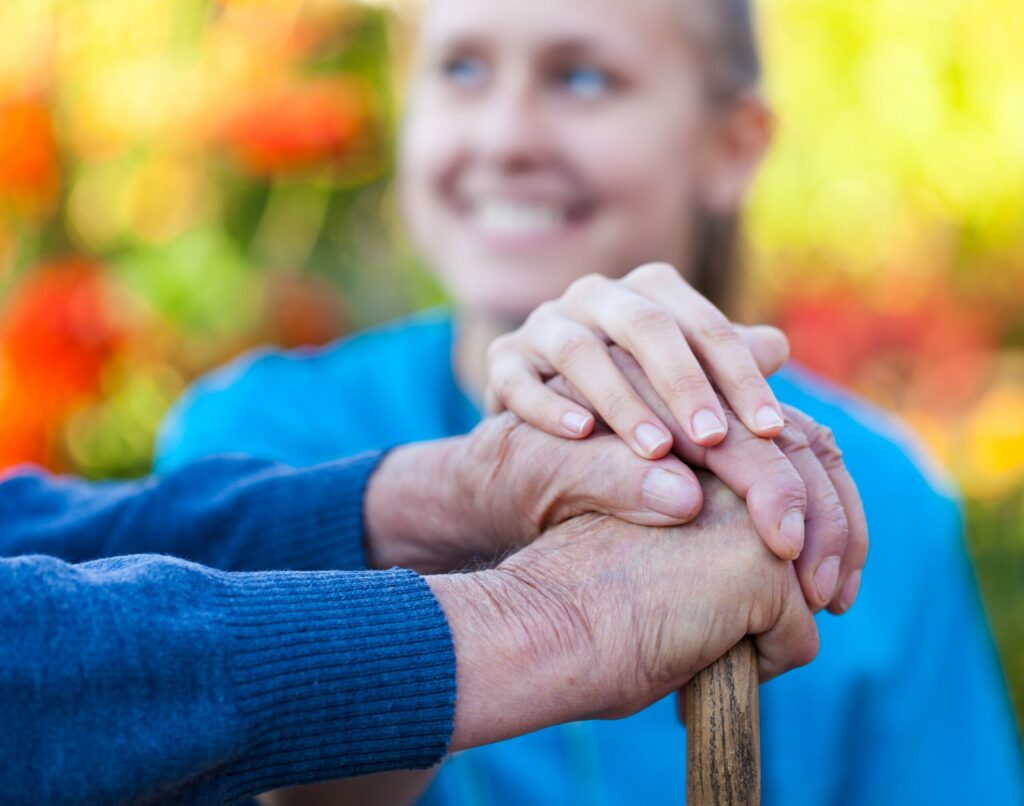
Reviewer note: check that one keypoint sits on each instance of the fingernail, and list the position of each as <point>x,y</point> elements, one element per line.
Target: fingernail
<point>826,577</point>
<point>848,595</point>
<point>574,422</point>
<point>791,532</point>
<point>668,493</point>
<point>707,424</point>
<point>768,418</point>
<point>650,437</point>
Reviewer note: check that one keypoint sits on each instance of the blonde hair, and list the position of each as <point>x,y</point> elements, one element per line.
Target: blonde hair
<point>723,31</point>
<point>724,34</point>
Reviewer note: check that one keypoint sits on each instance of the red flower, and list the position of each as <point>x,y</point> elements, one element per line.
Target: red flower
<point>56,337</point>
<point>905,345</point>
<point>299,126</point>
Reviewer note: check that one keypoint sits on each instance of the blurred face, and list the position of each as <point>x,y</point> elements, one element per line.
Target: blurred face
<point>548,140</point>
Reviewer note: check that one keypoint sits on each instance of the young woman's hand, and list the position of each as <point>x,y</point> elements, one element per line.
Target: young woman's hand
<point>685,345</point>
<point>800,496</point>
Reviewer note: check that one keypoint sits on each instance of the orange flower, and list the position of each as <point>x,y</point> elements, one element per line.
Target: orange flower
<point>29,173</point>
<point>299,126</point>
<point>57,336</point>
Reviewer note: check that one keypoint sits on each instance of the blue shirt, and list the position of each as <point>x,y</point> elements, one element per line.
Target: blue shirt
<point>905,703</point>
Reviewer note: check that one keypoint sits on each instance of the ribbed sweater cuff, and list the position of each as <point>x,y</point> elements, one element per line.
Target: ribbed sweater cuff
<point>337,674</point>
<point>316,516</point>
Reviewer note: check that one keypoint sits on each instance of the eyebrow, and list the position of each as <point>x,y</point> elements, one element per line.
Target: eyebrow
<point>561,47</point>
<point>457,41</point>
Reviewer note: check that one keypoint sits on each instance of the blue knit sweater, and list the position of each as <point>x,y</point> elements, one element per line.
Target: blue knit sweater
<point>150,678</point>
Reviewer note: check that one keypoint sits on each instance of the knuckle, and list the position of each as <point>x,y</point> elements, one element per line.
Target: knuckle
<point>654,273</point>
<point>786,484</point>
<point>543,313</point>
<point>837,524</point>
<point>573,347</point>
<point>647,320</point>
<point>508,386</point>
<point>688,385</point>
<point>823,442</point>
<point>749,383</point>
<point>500,348</point>
<point>587,285</point>
<point>616,406</point>
<point>792,439</point>
<point>808,648</point>
<point>717,331</point>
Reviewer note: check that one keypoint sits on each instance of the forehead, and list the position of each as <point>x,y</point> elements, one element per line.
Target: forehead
<point>637,29</point>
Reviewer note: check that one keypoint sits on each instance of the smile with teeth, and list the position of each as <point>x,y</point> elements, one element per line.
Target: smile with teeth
<point>516,219</point>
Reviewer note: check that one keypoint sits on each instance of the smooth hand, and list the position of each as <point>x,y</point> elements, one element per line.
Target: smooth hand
<point>685,345</point>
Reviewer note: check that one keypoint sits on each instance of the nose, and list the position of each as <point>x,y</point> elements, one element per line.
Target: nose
<point>511,132</point>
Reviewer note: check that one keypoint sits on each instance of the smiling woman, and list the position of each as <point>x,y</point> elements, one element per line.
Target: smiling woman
<point>546,142</point>
<point>536,154</point>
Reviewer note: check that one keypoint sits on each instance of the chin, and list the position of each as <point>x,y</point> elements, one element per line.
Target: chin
<point>517,284</point>
<point>508,303</point>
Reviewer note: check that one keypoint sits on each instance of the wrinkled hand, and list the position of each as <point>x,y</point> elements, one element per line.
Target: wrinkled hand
<point>599,618</point>
<point>443,505</point>
<point>800,494</point>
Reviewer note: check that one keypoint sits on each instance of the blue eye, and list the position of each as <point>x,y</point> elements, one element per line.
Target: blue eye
<point>465,72</point>
<point>586,82</point>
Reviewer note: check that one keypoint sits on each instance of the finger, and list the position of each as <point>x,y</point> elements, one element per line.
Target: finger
<point>827,530</point>
<point>717,344</point>
<point>768,345</point>
<point>492,403</point>
<point>792,641</point>
<point>612,480</point>
<point>515,385</point>
<point>575,352</point>
<point>755,469</point>
<point>760,472</point>
<point>824,446</point>
<point>650,333</point>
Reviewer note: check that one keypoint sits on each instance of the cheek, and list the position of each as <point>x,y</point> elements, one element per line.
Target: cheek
<point>427,151</point>
<point>645,176</point>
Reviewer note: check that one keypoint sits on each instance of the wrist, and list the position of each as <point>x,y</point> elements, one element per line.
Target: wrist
<point>523,658</point>
<point>414,512</point>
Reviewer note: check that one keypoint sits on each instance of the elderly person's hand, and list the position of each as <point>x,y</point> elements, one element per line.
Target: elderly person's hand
<point>800,471</point>
<point>800,495</point>
<point>599,618</point>
<point>437,506</point>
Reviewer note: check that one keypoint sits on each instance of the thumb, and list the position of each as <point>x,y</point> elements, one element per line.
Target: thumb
<point>613,480</point>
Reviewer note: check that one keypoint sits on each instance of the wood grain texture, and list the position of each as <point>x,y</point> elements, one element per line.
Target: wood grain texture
<point>723,756</point>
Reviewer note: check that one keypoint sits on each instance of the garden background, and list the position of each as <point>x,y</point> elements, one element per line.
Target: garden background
<point>181,181</point>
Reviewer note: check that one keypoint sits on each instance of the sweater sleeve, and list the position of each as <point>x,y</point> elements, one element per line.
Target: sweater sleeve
<point>232,513</point>
<point>150,679</point>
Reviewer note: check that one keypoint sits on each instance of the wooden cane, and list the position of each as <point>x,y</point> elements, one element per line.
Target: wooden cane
<point>723,755</point>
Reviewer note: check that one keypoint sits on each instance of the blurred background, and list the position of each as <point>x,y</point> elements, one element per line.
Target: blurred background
<point>181,181</point>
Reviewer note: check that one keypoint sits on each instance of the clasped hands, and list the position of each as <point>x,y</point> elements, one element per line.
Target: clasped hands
<point>602,575</point>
